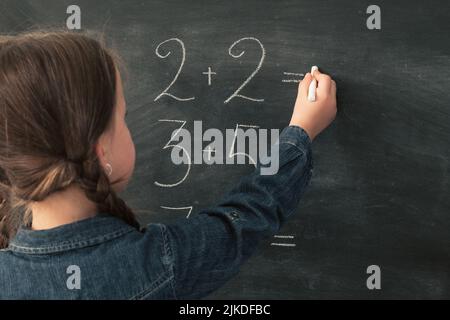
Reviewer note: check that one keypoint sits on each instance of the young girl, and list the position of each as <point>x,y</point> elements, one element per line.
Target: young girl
<point>65,154</point>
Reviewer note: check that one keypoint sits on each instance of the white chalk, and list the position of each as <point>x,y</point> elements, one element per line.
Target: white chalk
<point>312,86</point>
<point>312,90</point>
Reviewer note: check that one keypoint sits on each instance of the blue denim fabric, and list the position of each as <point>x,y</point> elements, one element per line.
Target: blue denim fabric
<point>185,260</point>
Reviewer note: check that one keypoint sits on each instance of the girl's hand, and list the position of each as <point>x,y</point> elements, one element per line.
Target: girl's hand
<point>315,116</point>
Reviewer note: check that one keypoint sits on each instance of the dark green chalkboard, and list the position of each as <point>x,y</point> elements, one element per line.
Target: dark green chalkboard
<point>380,192</point>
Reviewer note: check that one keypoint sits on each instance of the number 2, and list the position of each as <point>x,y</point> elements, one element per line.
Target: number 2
<point>263,55</point>
<point>183,49</point>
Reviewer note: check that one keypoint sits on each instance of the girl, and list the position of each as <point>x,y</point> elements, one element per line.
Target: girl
<point>66,153</point>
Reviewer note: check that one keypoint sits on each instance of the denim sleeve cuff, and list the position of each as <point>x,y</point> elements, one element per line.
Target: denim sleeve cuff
<point>297,137</point>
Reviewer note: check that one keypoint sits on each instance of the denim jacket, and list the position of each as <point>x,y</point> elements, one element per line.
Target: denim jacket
<point>104,258</point>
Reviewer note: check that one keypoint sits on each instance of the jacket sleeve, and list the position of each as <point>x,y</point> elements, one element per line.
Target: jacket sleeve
<point>207,249</point>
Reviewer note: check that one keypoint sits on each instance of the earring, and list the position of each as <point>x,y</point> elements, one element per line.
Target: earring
<point>108,169</point>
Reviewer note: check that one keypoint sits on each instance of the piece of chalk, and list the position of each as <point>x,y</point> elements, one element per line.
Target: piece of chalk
<point>312,90</point>
<point>312,86</point>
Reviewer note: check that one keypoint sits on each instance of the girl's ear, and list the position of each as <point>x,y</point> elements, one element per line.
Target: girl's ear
<point>101,152</point>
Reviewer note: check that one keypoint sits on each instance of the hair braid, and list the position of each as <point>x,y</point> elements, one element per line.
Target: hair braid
<point>10,215</point>
<point>4,230</point>
<point>97,187</point>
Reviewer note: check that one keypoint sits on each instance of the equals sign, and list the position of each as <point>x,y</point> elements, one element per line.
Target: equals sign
<point>293,74</point>
<point>283,244</point>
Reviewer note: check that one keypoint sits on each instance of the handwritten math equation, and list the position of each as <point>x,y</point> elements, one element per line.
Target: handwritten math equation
<point>233,52</point>
<point>290,77</point>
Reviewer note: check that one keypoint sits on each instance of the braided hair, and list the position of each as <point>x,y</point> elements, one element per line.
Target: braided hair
<point>57,96</point>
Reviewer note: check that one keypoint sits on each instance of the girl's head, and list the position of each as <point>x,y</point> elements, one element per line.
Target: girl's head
<point>62,124</point>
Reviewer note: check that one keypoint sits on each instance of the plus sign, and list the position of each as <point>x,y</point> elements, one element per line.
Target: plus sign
<point>209,150</point>
<point>209,73</point>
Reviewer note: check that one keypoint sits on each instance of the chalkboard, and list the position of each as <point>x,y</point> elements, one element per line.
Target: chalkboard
<point>380,192</point>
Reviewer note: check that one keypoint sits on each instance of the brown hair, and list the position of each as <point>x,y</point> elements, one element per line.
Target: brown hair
<point>57,96</point>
